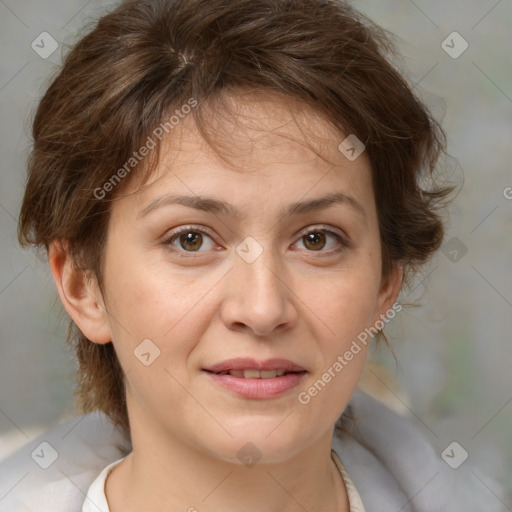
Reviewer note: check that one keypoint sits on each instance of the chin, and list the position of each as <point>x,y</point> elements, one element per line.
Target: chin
<point>253,444</point>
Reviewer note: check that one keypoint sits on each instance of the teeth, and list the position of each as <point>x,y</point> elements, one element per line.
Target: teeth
<point>256,374</point>
<point>253,374</point>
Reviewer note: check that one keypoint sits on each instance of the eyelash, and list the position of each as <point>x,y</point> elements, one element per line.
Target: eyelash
<point>342,242</point>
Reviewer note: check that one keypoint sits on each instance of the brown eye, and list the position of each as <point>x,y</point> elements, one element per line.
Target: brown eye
<point>314,241</point>
<point>191,241</point>
<point>323,241</point>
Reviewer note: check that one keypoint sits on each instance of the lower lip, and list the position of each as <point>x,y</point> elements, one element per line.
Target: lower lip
<point>258,388</point>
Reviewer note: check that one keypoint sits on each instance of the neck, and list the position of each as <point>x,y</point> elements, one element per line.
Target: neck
<point>165,475</point>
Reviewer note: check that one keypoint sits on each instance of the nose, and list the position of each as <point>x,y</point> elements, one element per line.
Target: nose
<point>258,296</point>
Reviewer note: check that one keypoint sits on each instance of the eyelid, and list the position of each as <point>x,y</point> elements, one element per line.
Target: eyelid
<point>323,228</point>
<point>189,227</point>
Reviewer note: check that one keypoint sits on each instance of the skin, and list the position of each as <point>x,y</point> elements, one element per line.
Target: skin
<point>297,300</point>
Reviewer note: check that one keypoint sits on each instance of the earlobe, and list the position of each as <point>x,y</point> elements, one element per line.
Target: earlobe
<point>79,294</point>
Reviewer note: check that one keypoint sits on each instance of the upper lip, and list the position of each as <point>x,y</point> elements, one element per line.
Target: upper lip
<point>241,363</point>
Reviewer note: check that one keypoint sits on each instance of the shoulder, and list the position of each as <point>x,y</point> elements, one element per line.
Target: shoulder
<point>54,471</point>
<point>394,467</point>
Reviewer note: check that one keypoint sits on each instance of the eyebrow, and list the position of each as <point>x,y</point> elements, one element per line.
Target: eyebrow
<point>212,205</point>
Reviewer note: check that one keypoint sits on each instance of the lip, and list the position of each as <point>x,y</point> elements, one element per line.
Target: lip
<point>246,363</point>
<point>256,388</point>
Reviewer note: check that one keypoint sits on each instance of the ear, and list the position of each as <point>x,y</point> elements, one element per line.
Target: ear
<point>389,289</point>
<point>80,295</point>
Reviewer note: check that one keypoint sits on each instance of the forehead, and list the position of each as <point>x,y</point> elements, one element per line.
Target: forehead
<point>261,125</point>
<point>281,142</point>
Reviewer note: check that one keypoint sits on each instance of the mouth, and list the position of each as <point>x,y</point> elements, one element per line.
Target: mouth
<point>256,374</point>
<point>252,379</point>
<point>249,368</point>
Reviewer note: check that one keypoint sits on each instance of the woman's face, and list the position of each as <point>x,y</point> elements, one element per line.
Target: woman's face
<point>257,266</point>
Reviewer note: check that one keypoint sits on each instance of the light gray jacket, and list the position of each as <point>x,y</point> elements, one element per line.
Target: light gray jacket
<point>391,464</point>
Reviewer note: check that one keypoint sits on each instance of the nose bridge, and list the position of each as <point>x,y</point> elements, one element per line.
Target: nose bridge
<point>259,296</point>
<point>259,275</point>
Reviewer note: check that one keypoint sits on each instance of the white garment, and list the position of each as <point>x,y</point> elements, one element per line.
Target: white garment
<point>354,500</point>
<point>96,500</point>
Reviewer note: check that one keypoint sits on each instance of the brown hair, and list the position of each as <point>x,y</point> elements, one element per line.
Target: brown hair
<point>147,58</point>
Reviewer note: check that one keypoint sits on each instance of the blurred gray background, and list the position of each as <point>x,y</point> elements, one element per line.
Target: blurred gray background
<point>453,375</point>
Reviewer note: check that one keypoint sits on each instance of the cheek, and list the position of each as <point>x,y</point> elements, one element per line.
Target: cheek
<point>347,303</point>
<point>345,308</point>
<point>147,303</point>
<point>153,327</point>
